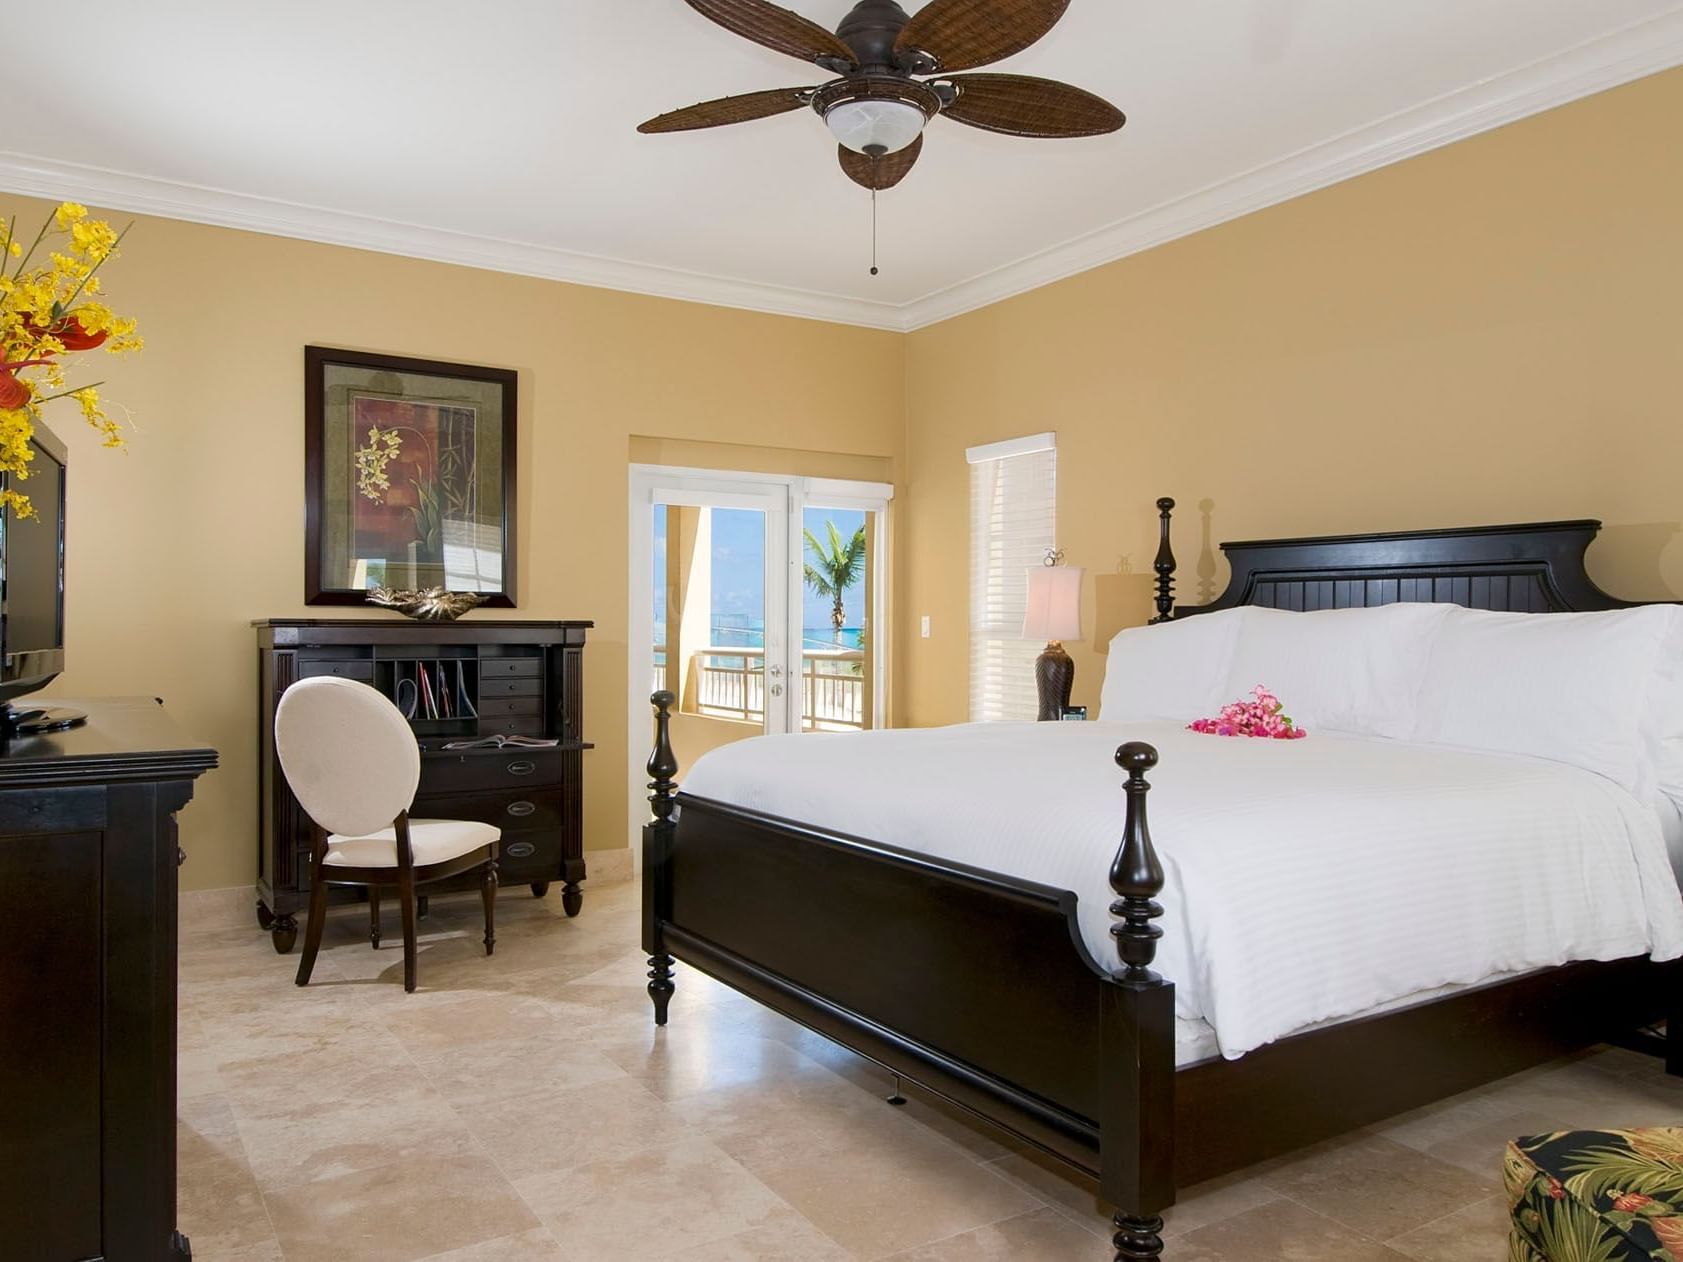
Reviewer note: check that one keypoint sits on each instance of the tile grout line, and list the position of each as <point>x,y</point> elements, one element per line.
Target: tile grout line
<point>962,1231</point>
<point>1343,1226</point>
<point>1389,1243</point>
<point>1067,1213</point>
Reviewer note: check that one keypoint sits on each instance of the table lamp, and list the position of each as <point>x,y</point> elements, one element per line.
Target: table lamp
<point>1053,615</point>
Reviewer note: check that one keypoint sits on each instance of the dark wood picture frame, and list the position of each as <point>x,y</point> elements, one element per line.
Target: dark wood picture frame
<point>317,360</point>
<point>979,987</point>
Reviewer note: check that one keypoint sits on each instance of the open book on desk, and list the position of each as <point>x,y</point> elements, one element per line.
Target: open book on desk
<point>504,742</point>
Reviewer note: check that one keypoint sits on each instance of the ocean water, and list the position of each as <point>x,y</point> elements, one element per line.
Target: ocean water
<point>738,636</point>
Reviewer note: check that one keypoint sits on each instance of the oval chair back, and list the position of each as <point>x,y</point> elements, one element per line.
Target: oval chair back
<point>349,756</point>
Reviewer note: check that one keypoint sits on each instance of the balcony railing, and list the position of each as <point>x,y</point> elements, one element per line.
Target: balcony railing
<point>730,683</point>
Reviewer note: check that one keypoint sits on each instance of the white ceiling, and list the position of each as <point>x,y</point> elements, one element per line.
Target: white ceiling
<point>502,133</point>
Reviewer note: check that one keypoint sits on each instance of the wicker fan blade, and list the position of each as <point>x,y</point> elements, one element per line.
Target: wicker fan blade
<point>729,109</point>
<point>962,34</point>
<point>776,28</point>
<point>1020,105</point>
<point>883,172</point>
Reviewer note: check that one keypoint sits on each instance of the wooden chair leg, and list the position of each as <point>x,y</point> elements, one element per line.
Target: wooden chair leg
<point>374,916</point>
<point>312,933</point>
<point>488,891</point>
<point>406,895</point>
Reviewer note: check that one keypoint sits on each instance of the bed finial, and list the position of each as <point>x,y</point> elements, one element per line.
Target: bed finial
<point>1165,563</point>
<point>1137,874</point>
<point>663,763</point>
<point>657,853</point>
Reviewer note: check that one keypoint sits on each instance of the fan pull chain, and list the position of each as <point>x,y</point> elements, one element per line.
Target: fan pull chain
<point>873,232</point>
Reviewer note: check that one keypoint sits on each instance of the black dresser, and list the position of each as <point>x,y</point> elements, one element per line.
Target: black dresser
<point>454,681</point>
<point>88,860</point>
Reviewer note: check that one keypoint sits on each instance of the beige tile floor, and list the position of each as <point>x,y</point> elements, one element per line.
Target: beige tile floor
<point>523,1109</point>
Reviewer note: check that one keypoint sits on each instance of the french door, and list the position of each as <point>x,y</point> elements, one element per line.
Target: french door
<point>755,600</point>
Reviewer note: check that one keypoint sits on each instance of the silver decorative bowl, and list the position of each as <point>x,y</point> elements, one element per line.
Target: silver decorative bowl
<point>434,604</point>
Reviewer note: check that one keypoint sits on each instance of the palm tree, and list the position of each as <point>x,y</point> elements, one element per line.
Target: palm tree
<point>838,567</point>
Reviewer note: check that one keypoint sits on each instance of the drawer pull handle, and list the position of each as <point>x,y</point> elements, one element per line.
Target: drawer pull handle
<point>522,768</point>
<point>520,850</point>
<point>521,808</point>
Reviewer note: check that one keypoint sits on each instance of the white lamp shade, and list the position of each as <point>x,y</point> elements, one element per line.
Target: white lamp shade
<point>886,126</point>
<point>1054,603</point>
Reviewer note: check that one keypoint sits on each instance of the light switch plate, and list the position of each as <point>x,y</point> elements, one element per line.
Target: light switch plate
<point>926,626</point>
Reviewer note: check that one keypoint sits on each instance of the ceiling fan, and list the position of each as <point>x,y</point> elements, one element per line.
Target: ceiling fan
<point>897,73</point>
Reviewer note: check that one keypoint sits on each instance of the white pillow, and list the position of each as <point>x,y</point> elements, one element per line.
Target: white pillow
<point>1663,722</point>
<point>1342,670</point>
<point>1572,687</point>
<point>1174,670</point>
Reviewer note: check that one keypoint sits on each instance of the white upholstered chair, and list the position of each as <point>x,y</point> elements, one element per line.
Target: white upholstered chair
<point>351,761</point>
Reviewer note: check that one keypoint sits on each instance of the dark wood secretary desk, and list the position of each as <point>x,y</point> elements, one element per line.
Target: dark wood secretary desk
<point>498,677</point>
<point>88,903</point>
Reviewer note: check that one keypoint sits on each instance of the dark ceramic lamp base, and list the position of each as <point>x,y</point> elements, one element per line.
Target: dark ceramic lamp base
<point>1054,675</point>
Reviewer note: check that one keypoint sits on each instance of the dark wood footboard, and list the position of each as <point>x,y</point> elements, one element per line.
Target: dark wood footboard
<point>976,986</point>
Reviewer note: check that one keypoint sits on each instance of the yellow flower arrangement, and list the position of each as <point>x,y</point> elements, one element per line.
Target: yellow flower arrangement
<point>47,313</point>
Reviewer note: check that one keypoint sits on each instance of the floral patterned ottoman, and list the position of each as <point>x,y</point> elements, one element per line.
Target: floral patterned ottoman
<point>1596,1196</point>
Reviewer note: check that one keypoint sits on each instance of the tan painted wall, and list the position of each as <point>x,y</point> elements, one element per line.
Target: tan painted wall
<point>176,545</point>
<point>1491,332</point>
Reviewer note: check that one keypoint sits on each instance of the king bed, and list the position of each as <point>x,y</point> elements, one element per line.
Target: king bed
<point>1413,901</point>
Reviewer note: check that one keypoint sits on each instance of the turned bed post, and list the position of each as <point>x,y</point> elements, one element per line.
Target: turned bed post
<point>657,855</point>
<point>1164,565</point>
<point>1137,1129</point>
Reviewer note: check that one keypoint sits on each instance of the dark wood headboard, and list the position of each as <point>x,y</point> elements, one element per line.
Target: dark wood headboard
<point>1534,567</point>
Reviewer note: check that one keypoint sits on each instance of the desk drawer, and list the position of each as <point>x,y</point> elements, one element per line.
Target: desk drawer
<point>510,812</point>
<point>498,770</point>
<point>344,669</point>
<point>496,707</point>
<point>504,667</point>
<point>512,686</point>
<point>529,856</point>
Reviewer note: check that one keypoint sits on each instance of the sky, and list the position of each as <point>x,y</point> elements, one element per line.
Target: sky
<point>739,568</point>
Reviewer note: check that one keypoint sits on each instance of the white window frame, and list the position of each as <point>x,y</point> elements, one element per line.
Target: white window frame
<point>676,485</point>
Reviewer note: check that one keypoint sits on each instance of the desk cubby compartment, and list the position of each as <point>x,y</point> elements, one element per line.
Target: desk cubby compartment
<point>438,695</point>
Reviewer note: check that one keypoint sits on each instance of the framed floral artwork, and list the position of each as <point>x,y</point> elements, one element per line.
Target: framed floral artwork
<point>409,470</point>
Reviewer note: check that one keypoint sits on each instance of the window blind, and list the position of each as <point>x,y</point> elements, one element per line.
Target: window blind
<point>1013,502</point>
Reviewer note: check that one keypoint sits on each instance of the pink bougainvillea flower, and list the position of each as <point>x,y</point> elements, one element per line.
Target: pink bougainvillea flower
<point>1262,716</point>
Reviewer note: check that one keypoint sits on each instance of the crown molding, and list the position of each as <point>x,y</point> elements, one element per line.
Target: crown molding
<point>1631,53</point>
<point>1607,61</point>
<point>120,190</point>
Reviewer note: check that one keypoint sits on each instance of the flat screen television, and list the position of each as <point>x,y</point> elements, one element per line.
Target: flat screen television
<point>32,594</point>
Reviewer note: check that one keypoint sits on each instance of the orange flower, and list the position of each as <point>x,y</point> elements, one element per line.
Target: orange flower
<point>1631,1202</point>
<point>13,393</point>
<point>1556,1191</point>
<point>69,331</point>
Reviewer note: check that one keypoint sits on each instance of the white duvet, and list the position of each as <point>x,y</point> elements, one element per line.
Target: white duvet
<point>1307,880</point>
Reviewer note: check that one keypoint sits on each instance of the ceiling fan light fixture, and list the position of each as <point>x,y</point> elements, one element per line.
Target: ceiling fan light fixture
<point>875,126</point>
